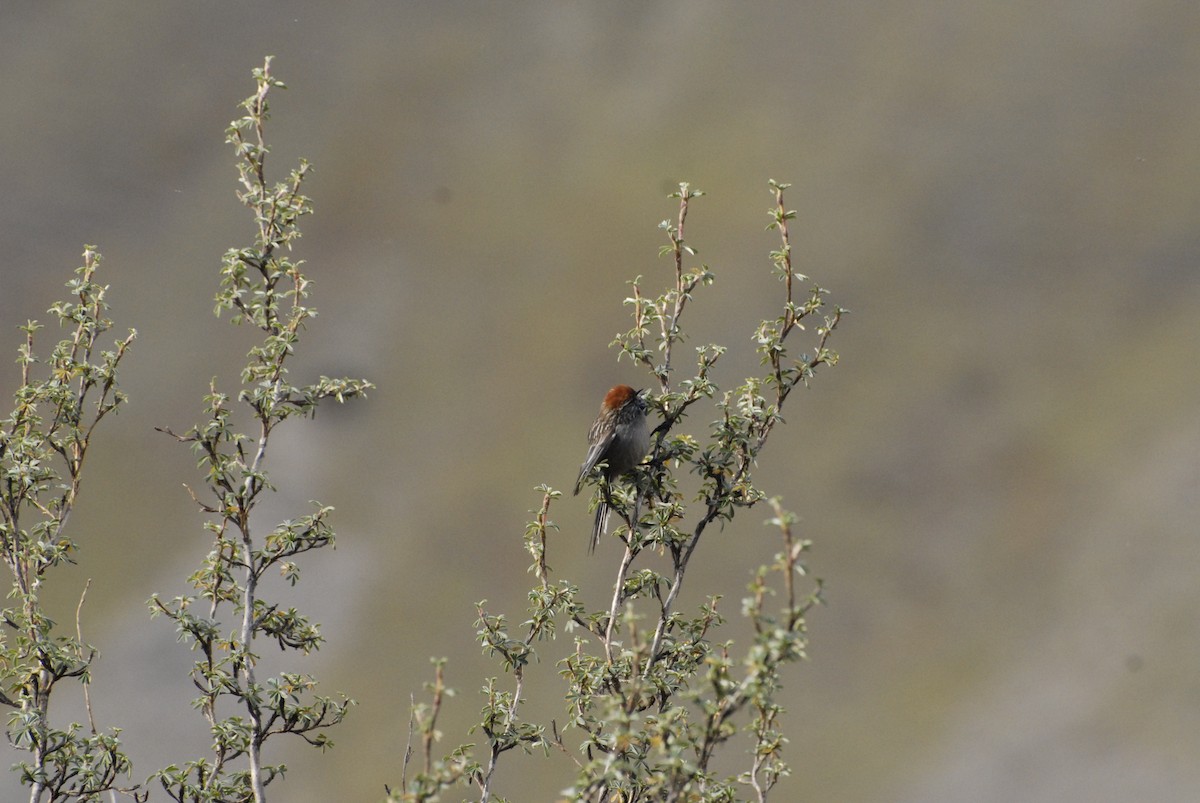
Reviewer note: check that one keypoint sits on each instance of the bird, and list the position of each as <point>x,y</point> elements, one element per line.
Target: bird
<point>619,437</point>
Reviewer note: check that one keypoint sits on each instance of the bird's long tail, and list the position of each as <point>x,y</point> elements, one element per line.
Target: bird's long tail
<point>600,526</point>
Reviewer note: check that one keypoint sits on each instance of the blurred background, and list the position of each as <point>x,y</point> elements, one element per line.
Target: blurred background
<point>1001,478</point>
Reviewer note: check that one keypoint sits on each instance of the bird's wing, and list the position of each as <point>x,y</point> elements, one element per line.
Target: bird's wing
<point>595,452</point>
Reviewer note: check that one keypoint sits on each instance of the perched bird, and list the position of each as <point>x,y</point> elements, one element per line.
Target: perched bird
<point>619,437</point>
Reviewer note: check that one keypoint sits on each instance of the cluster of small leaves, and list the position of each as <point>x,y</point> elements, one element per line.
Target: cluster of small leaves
<point>650,693</point>
<point>499,722</point>
<point>263,287</point>
<point>43,444</point>
<point>435,775</point>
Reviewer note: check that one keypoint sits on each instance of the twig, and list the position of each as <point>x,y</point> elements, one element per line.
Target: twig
<point>87,697</point>
<point>412,713</point>
<point>618,596</point>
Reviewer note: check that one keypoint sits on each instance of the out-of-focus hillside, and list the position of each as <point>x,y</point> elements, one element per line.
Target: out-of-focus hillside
<point>1001,478</point>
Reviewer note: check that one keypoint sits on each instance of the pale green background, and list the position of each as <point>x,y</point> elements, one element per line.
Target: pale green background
<point>1001,479</point>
